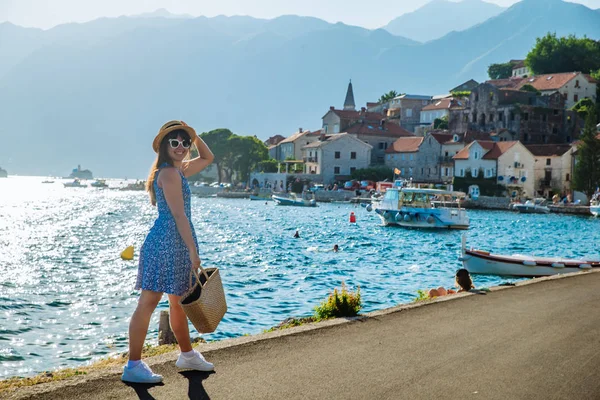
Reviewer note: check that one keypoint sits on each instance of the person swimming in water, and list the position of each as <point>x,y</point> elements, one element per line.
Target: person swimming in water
<point>463,282</point>
<point>296,235</point>
<point>335,248</point>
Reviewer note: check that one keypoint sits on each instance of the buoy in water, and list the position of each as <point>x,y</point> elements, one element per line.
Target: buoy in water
<point>369,208</point>
<point>127,254</point>
<point>352,217</point>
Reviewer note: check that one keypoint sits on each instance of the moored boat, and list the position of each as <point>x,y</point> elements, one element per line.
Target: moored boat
<point>595,210</point>
<point>536,206</point>
<point>99,183</point>
<point>293,200</point>
<point>75,184</point>
<point>486,263</point>
<point>422,208</point>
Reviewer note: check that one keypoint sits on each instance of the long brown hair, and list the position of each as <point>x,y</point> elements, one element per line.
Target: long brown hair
<point>162,158</point>
<point>463,279</point>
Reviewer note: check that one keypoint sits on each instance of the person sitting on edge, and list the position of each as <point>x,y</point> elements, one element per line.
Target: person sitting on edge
<point>296,235</point>
<point>335,248</point>
<point>463,281</point>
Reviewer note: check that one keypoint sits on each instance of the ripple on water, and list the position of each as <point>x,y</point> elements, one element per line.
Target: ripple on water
<point>78,294</point>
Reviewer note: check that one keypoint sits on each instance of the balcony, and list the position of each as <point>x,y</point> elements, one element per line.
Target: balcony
<point>311,159</point>
<point>445,160</point>
<point>549,183</point>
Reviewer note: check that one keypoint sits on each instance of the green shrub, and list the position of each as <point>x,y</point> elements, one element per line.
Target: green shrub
<point>339,304</point>
<point>422,295</point>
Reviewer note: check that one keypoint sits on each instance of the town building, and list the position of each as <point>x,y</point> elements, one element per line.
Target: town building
<point>508,163</point>
<point>440,109</point>
<point>405,110</point>
<point>553,168</point>
<point>404,155</point>
<point>291,147</point>
<point>336,156</point>
<point>520,70</point>
<point>516,115</point>
<point>465,87</point>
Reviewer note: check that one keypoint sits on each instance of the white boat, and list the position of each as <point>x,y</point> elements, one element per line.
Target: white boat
<point>536,206</point>
<point>99,183</point>
<point>422,208</point>
<point>486,263</point>
<point>293,200</point>
<point>75,184</point>
<point>595,210</point>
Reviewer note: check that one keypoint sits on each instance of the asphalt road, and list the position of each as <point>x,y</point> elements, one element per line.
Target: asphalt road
<point>538,341</point>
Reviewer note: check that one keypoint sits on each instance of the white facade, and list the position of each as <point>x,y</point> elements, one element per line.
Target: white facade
<point>521,72</point>
<point>338,155</point>
<point>553,172</point>
<point>428,116</point>
<point>475,164</point>
<point>576,89</point>
<point>517,162</point>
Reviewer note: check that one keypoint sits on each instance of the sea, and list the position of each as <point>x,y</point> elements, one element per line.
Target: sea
<point>66,296</point>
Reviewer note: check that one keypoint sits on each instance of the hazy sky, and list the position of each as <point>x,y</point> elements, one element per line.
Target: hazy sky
<point>370,14</point>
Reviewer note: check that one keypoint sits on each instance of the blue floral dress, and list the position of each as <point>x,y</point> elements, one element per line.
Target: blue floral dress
<point>165,263</point>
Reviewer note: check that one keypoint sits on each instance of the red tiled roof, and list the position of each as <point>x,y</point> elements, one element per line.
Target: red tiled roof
<point>589,78</point>
<point>548,150</point>
<point>549,81</point>
<point>273,140</point>
<point>406,145</point>
<point>511,83</point>
<point>442,104</point>
<point>389,129</point>
<point>298,135</point>
<point>498,149</point>
<point>442,138</point>
<point>464,153</point>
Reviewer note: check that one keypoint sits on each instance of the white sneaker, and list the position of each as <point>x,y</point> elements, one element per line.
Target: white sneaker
<point>141,373</point>
<point>196,362</point>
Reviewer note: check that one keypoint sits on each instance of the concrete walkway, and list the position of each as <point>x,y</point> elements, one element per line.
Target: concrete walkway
<point>533,341</point>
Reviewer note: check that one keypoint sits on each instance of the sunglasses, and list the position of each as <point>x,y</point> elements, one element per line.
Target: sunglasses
<point>185,143</point>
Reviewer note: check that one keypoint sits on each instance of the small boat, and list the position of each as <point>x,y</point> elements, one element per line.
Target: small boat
<point>261,198</point>
<point>536,206</point>
<point>486,263</point>
<point>293,201</point>
<point>595,210</point>
<point>75,184</point>
<point>47,181</point>
<point>137,186</point>
<point>99,183</point>
<point>421,208</point>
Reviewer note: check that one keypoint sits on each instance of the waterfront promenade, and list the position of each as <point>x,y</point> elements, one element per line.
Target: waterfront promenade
<point>534,341</point>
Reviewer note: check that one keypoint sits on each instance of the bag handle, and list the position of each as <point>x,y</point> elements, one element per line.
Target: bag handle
<point>195,272</point>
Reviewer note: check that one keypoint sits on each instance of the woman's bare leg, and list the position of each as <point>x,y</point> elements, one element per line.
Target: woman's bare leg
<point>179,324</point>
<point>138,326</point>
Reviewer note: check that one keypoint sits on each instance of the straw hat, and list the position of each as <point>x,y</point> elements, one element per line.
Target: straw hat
<point>170,127</point>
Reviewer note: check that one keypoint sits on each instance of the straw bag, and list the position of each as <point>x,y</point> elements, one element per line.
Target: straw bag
<point>204,304</point>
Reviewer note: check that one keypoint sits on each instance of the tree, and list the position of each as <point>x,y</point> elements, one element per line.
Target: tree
<point>553,54</point>
<point>373,174</point>
<point>387,96</point>
<point>583,107</point>
<point>586,177</point>
<point>270,165</point>
<point>248,152</point>
<point>441,123</point>
<point>530,88</point>
<point>500,71</point>
<point>217,141</point>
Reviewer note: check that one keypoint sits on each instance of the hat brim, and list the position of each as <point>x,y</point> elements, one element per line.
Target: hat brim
<point>161,135</point>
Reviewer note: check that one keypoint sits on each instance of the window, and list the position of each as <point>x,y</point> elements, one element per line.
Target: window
<point>474,172</point>
<point>474,117</point>
<point>336,170</point>
<point>409,112</point>
<point>526,137</point>
<point>488,172</point>
<point>525,116</point>
<point>422,173</point>
<point>568,177</point>
<point>410,171</point>
<point>476,155</point>
<point>403,158</point>
<point>337,154</point>
<point>326,127</point>
<point>543,117</point>
<point>491,118</point>
<point>381,145</point>
<point>555,113</point>
<point>446,172</point>
<point>353,155</point>
<point>336,128</point>
<point>575,98</point>
<point>352,169</point>
<point>512,116</point>
<point>462,172</point>
<point>500,116</point>
<point>410,157</point>
<point>577,83</point>
<point>548,161</point>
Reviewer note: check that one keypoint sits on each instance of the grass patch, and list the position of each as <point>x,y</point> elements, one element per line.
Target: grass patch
<point>118,360</point>
<point>339,304</point>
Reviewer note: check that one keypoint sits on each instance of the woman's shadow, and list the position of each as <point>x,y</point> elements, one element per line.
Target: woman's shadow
<point>196,389</point>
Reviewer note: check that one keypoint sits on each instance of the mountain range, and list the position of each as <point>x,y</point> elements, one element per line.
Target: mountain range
<point>440,17</point>
<point>95,93</point>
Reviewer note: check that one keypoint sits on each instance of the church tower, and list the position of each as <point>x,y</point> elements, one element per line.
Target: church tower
<point>349,102</point>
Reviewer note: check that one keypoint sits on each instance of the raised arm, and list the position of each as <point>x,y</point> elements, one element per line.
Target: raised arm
<point>170,181</point>
<point>204,159</point>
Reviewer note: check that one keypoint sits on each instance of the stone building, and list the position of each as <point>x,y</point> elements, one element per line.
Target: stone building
<point>405,110</point>
<point>553,168</point>
<point>519,115</point>
<point>335,157</point>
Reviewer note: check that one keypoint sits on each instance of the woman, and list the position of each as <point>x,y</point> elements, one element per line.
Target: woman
<point>170,250</point>
<point>463,280</point>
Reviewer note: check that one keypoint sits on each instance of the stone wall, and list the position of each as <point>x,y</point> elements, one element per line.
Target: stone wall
<point>487,203</point>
